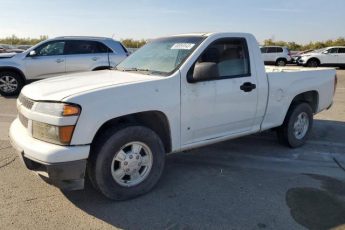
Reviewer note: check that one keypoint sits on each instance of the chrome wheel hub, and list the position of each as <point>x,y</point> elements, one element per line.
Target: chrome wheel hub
<point>301,125</point>
<point>132,164</point>
<point>8,84</point>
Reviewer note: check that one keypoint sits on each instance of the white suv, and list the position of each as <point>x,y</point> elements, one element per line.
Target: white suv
<point>330,56</point>
<point>276,55</point>
<point>55,57</point>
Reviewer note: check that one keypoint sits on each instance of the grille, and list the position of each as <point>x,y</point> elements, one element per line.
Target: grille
<point>23,120</point>
<point>26,102</point>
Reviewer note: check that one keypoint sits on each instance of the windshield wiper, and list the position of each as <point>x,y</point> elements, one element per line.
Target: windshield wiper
<point>147,71</point>
<point>135,69</point>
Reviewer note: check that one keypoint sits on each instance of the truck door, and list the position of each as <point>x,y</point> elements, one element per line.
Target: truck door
<point>48,61</point>
<point>220,107</point>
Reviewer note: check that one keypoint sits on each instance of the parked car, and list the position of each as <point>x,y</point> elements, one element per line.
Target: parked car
<point>276,55</point>
<point>175,93</point>
<point>58,56</point>
<point>330,56</point>
<point>298,55</point>
<point>9,49</point>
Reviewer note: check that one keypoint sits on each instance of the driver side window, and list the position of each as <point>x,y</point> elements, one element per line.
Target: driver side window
<point>231,56</point>
<point>333,50</point>
<point>51,49</point>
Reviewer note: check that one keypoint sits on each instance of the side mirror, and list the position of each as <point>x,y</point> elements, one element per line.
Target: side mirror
<point>326,52</point>
<point>205,71</point>
<point>32,53</point>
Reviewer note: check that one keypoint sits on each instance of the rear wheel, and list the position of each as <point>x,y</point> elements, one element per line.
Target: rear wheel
<point>127,163</point>
<point>313,63</point>
<point>10,83</point>
<point>281,62</point>
<point>297,125</point>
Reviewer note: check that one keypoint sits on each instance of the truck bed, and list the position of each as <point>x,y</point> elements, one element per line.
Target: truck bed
<point>272,69</point>
<point>284,82</point>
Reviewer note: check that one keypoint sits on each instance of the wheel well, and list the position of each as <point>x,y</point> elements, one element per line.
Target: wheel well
<point>315,59</point>
<point>310,97</point>
<point>13,69</point>
<point>281,58</point>
<point>154,120</point>
<point>101,68</point>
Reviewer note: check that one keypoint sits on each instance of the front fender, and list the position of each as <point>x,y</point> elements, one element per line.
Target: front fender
<point>102,105</point>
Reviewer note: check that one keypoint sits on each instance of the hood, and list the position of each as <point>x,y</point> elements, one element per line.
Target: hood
<point>58,88</point>
<point>7,55</point>
<point>310,54</point>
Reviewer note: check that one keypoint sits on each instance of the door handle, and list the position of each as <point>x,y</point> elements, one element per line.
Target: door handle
<point>59,60</point>
<point>95,58</point>
<point>247,87</point>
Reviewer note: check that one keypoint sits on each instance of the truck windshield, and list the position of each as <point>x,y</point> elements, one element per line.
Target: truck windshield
<point>161,56</point>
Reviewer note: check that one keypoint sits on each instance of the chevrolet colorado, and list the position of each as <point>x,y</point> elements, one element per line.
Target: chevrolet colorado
<point>175,93</point>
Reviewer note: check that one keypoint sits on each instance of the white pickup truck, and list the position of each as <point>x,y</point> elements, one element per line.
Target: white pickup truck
<point>174,94</point>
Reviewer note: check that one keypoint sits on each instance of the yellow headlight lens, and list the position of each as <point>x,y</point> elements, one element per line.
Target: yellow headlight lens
<point>61,135</point>
<point>70,110</point>
<point>65,134</point>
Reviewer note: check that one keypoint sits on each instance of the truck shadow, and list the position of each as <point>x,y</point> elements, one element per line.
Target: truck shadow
<point>201,189</point>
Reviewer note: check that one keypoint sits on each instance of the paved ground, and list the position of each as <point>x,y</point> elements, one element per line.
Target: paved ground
<point>248,183</point>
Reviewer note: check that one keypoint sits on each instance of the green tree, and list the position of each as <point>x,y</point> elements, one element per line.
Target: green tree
<point>14,40</point>
<point>131,43</point>
<point>309,46</point>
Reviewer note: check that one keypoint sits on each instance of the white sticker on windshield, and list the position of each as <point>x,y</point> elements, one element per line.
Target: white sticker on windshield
<point>182,46</point>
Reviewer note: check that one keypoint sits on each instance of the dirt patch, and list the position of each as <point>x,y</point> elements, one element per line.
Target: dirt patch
<point>315,208</point>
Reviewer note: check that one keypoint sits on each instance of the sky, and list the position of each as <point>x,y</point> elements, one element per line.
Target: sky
<point>291,20</point>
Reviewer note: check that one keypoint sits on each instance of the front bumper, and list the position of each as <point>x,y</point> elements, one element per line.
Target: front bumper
<point>62,166</point>
<point>302,61</point>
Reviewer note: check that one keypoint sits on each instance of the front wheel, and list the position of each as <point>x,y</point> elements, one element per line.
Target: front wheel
<point>297,125</point>
<point>10,83</point>
<point>127,163</point>
<point>281,62</point>
<point>313,63</point>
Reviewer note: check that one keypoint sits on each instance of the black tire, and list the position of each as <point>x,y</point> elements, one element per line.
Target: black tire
<point>281,62</point>
<point>107,147</point>
<point>15,80</point>
<point>286,132</point>
<point>313,63</point>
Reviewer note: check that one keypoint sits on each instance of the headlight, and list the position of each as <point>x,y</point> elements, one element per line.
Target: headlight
<point>61,135</point>
<point>57,109</point>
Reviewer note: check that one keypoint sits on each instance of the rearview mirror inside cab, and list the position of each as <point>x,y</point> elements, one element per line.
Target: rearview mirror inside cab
<point>205,71</point>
